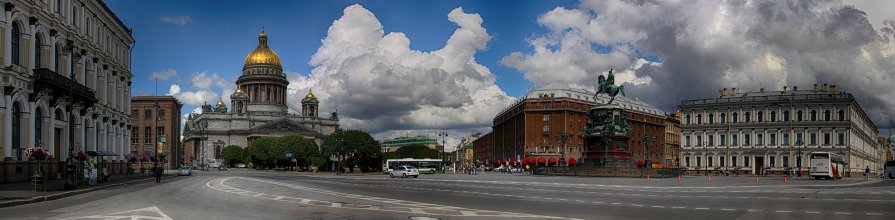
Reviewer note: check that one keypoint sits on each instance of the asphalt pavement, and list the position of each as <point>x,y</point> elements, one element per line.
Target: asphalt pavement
<point>247,194</point>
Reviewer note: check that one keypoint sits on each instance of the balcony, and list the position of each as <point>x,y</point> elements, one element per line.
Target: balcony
<point>46,78</point>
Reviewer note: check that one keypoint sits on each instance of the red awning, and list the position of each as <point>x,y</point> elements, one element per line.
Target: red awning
<point>495,162</point>
<point>528,160</point>
<point>552,160</point>
<point>542,160</point>
<point>512,161</point>
<point>572,161</point>
<point>502,162</point>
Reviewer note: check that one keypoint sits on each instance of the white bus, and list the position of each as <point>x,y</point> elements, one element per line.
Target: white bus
<point>427,166</point>
<point>890,170</point>
<point>827,165</point>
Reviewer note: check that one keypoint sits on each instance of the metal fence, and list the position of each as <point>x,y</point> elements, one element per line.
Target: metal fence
<point>607,171</point>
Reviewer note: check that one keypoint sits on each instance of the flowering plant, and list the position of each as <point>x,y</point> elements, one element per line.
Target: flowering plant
<point>80,155</point>
<point>37,153</point>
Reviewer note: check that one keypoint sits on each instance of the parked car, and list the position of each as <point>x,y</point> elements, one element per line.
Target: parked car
<point>404,172</point>
<point>185,171</point>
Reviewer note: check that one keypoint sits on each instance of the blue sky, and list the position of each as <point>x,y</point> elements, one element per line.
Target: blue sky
<point>396,68</point>
<point>221,33</point>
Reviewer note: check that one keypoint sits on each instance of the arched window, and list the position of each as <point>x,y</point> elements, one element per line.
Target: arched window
<point>785,115</point>
<point>841,115</point>
<point>38,124</point>
<point>773,116</point>
<point>59,115</point>
<point>735,118</point>
<point>711,118</point>
<point>698,118</point>
<point>826,115</point>
<point>813,115</point>
<point>38,53</point>
<point>87,26</point>
<point>14,45</point>
<point>760,116</point>
<point>74,16</point>
<point>59,7</point>
<point>687,118</point>
<point>17,131</point>
<point>723,118</point>
<point>799,115</point>
<point>748,116</point>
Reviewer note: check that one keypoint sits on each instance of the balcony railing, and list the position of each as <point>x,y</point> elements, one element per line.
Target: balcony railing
<point>46,78</point>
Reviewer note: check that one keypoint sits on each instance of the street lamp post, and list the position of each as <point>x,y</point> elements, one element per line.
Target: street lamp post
<point>562,138</point>
<point>443,135</point>
<point>70,182</point>
<point>706,148</point>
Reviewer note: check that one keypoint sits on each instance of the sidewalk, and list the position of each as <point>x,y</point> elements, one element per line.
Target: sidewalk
<point>19,193</point>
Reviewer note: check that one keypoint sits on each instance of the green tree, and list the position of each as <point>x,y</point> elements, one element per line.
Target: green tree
<point>301,148</point>
<point>264,152</point>
<point>233,155</point>
<point>416,151</point>
<point>357,147</point>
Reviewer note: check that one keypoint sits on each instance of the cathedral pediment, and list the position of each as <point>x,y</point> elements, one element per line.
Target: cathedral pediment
<point>286,127</point>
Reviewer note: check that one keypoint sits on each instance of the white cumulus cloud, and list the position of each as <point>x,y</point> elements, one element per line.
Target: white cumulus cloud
<point>164,74</point>
<point>178,20</point>
<point>378,83</point>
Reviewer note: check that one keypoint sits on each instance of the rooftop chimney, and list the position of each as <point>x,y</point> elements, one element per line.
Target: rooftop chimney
<point>720,93</point>
<point>815,87</point>
<point>762,90</point>
<point>734,92</point>
<point>824,88</point>
<point>784,89</point>
<point>724,93</point>
<point>833,89</point>
<point>795,88</point>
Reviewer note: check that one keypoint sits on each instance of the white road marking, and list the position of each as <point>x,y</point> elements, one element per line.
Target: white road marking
<point>871,213</point>
<point>616,203</point>
<point>812,212</point>
<point>678,207</point>
<point>728,209</point>
<point>658,206</point>
<point>702,208</point>
<point>843,213</point>
<point>637,205</point>
<point>783,211</point>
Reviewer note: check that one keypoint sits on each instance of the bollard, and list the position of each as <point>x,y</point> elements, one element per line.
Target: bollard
<point>679,178</point>
<point>710,180</point>
<point>647,177</point>
<point>785,181</point>
<point>756,180</point>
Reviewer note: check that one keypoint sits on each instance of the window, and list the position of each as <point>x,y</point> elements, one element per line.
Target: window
<point>785,161</point>
<point>826,115</point>
<point>161,113</point>
<point>711,139</point>
<point>773,139</point>
<point>773,116</point>
<point>841,139</point>
<point>721,161</point>
<point>14,45</point>
<point>546,105</point>
<point>747,116</point>
<point>698,140</point>
<point>799,115</point>
<point>546,128</point>
<point>841,115</point>
<point>827,139</point>
<point>546,117</point>
<point>58,59</point>
<point>733,161</point>
<point>785,138</point>
<point>59,7</point>
<point>698,161</point>
<point>38,124</point>
<point>735,118</point>
<point>745,161</point>
<point>687,161</point>
<point>711,118</point>
<point>710,159</point>
<point>813,139</point>
<point>799,161</point>
<point>38,53</point>
<point>722,139</point>
<point>688,118</point>
<point>74,16</point>
<point>687,140</point>
<point>773,161</point>
<point>135,113</point>
<point>698,118</point>
<point>87,26</point>
<point>733,139</point>
<point>160,131</point>
<point>813,115</point>
<point>135,136</point>
<point>799,139</point>
<point>746,139</point>
<point>723,118</point>
<point>147,135</point>
<point>147,114</point>
<point>785,115</point>
<point>759,139</point>
<point>760,116</point>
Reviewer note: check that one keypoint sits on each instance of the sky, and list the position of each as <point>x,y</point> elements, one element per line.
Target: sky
<point>399,68</point>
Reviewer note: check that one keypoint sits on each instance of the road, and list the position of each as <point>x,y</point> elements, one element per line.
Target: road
<point>244,194</point>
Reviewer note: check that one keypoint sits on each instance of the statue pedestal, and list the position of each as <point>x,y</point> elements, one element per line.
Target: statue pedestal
<point>606,137</point>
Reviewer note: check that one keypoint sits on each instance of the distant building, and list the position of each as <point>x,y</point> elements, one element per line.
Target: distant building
<point>533,126</point>
<point>774,131</point>
<point>392,145</point>
<point>463,155</point>
<point>156,126</point>
<point>483,149</point>
<point>259,109</point>
<point>672,139</point>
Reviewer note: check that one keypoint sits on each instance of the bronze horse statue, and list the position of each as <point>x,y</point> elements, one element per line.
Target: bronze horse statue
<point>607,85</point>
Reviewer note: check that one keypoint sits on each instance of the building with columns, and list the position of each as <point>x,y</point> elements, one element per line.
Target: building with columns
<point>66,80</point>
<point>259,109</point>
<point>771,132</point>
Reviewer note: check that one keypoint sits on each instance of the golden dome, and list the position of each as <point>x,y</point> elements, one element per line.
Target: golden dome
<point>221,101</point>
<point>310,94</point>
<point>262,55</point>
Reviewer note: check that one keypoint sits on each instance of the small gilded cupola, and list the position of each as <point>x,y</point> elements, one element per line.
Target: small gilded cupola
<point>309,105</point>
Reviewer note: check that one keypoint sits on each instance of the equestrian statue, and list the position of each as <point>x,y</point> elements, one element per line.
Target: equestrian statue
<point>607,85</point>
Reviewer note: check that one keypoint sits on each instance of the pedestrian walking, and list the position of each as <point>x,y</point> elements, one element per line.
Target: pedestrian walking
<point>158,173</point>
<point>867,173</point>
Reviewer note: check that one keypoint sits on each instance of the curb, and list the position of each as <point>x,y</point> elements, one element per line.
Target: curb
<point>56,196</point>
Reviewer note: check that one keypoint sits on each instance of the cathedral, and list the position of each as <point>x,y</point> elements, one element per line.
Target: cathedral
<point>259,109</point>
